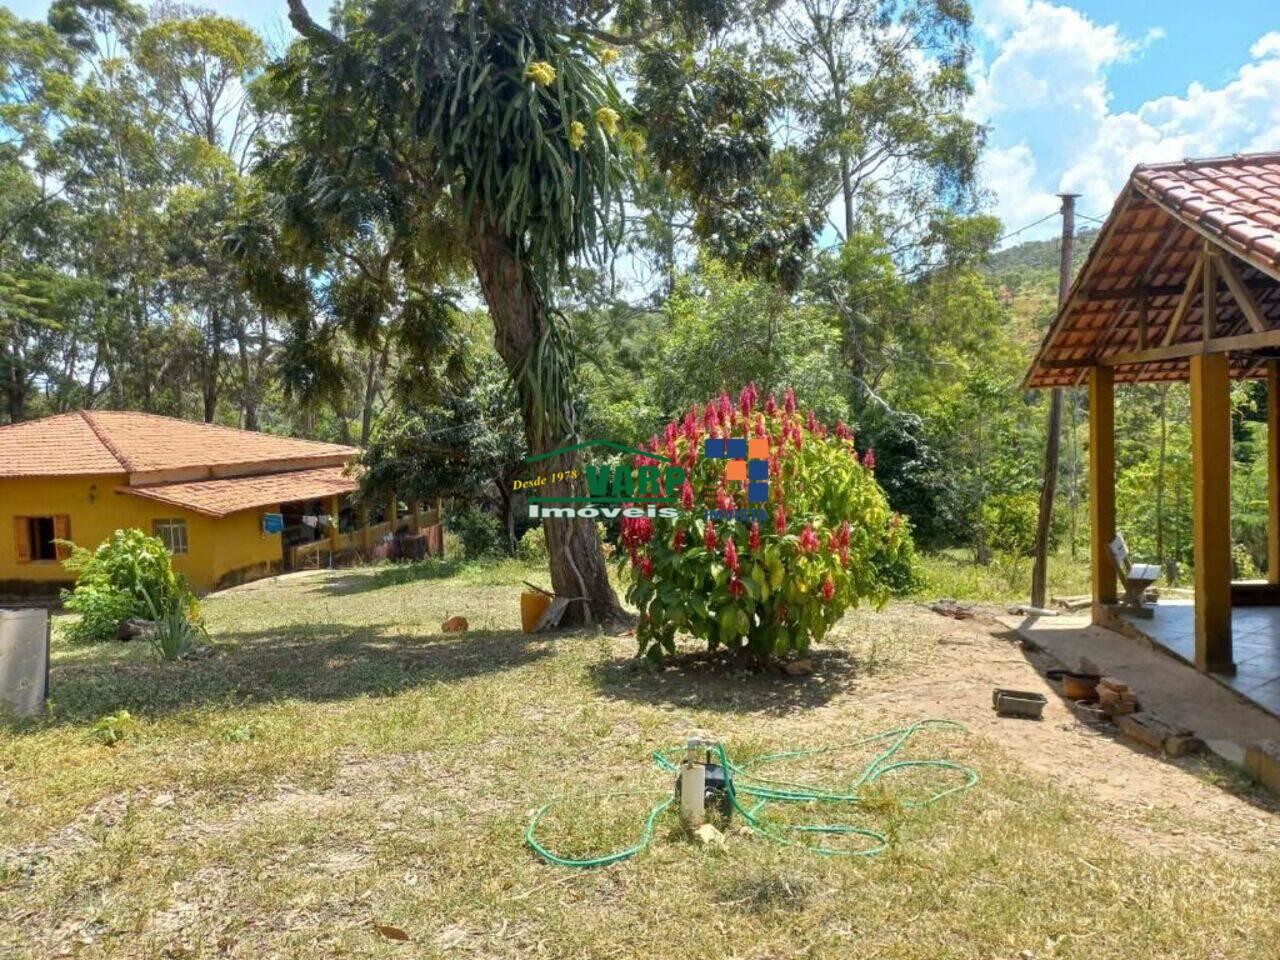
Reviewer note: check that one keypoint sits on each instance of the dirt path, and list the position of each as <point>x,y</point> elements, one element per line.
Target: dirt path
<point>1188,803</point>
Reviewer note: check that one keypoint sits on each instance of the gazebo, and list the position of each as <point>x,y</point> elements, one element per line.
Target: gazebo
<point>1183,284</point>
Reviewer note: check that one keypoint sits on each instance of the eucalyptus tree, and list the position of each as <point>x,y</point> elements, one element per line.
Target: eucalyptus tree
<point>495,129</point>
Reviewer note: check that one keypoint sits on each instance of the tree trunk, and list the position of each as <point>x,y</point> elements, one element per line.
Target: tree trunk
<point>519,316</point>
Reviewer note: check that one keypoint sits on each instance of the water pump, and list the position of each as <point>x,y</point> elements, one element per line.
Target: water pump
<point>701,782</point>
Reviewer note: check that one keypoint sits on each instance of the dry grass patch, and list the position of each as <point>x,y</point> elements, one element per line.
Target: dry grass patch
<point>341,765</point>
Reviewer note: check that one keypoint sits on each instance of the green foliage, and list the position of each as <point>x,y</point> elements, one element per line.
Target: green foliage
<point>175,635</point>
<point>772,585</point>
<point>725,330</point>
<point>533,545</point>
<point>478,532</point>
<point>129,574</point>
<point>114,728</point>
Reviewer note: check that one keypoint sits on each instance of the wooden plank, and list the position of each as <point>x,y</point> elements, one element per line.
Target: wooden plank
<point>1144,300</point>
<point>1273,471</point>
<point>335,509</point>
<point>1211,510</point>
<point>1240,293</point>
<point>1102,486</point>
<point>1184,304</point>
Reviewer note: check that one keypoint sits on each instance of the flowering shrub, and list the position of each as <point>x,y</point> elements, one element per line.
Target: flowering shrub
<point>825,540</point>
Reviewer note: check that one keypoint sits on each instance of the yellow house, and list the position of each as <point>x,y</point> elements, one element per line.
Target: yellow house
<point>231,505</point>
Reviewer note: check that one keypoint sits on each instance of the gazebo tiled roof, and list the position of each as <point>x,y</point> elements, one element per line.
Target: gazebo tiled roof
<point>1137,304</point>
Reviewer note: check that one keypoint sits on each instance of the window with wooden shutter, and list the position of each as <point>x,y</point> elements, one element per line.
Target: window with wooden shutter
<point>62,531</point>
<point>22,539</point>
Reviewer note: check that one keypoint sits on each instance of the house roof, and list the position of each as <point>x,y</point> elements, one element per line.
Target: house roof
<point>151,448</point>
<point>219,498</point>
<point>1151,242</point>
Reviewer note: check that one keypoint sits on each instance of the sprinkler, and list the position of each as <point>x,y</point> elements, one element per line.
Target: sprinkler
<point>700,781</point>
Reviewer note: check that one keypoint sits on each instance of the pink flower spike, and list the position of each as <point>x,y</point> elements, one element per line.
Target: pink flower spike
<point>789,401</point>
<point>753,540</point>
<point>869,459</point>
<point>709,538</point>
<point>731,555</point>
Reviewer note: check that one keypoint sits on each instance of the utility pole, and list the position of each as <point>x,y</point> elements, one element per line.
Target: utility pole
<point>1040,565</point>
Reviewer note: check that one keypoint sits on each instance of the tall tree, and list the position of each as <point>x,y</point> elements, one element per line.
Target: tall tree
<point>496,124</point>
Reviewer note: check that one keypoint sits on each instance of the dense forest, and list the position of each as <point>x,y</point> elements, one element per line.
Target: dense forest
<point>793,205</point>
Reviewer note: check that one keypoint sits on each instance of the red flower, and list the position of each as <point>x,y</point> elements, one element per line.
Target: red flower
<point>753,540</point>
<point>811,422</point>
<point>828,589</point>
<point>646,568</point>
<point>731,555</point>
<point>636,530</point>
<point>759,426</point>
<point>726,406</point>
<point>710,418</point>
<point>770,405</point>
<point>747,398</point>
<point>779,521</point>
<point>833,541</point>
<point>724,500</point>
<point>677,541</point>
<point>709,538</point>
<point>808,539</point>
<point>844,557</point>
<point>843,432</point>
<point>844,533</point>
<point>686,495</point>
<point>869,459</point>
<point>789,401</point>
<point>736,589</point>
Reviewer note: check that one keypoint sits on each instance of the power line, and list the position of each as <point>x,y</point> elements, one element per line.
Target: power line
<point>1028,227</point>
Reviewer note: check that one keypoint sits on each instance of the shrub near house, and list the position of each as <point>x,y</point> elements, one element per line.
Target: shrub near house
<point>824,539</point>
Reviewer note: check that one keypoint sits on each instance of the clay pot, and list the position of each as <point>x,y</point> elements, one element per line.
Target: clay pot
<point>1081,686</point>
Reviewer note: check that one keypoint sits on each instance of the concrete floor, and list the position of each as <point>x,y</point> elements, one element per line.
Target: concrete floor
<point>1255,644</point>
<point>1164,685</point>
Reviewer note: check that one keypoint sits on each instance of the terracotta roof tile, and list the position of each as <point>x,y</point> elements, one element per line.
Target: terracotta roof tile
<point>55,446</point>
<point>218,498</point>
<point>117,441</point>
<point>1221,191</point>
<point>147,442</point>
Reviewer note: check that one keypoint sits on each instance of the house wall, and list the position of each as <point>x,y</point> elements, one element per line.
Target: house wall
<point>221,551</point>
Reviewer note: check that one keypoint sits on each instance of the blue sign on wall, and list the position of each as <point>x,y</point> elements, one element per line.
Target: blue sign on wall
<point>272,522</point>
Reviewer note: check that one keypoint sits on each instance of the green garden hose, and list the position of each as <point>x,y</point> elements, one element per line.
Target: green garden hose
<point>758,791</point>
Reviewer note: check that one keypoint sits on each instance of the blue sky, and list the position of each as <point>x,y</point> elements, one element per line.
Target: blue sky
<point>1074,94</point>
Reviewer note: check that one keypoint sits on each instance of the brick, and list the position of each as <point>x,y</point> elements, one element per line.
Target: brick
<point>1262,760</point>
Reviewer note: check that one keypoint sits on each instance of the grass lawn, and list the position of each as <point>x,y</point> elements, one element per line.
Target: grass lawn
<point>339,764</point>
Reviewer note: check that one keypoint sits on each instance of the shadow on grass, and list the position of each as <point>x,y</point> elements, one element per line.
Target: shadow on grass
<point>392,575</point>
<point>703,682</point>
<point>317,663</point>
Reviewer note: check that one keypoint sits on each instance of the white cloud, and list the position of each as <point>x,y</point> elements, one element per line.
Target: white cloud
<point>1044,93</point>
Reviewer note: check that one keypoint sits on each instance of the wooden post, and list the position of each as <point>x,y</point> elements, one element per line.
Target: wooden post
<point>392,507</point>
<point>1102,485</point>
<point>362,519</point>
<point>335,535</point>
<point>415,521</point>
<point>1273,471</point>
<point>1211,508</point>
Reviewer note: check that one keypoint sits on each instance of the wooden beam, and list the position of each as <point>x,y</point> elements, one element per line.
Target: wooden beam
<point>1273,471</point>
<point>1209,299</point>
<point>1211,510</point>
<point>1184,303</point>
<point>1102,486</point>
<point>1245,341</point>
<point>415,516</point>
<point>1241,294</point>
